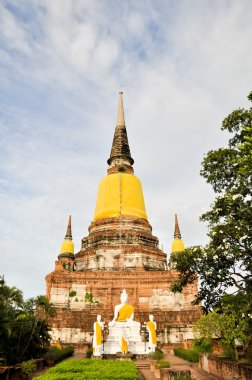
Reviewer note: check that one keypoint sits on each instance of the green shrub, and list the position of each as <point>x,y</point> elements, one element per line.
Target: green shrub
<point>201,345</point>
<point>163,364</point>
<point>55,354</point>
<point>122,169</point>
<point>229,353</point>
<point>90,298</point>
<point>88,369</point>
<point>89,352</point>
<point>190,355</point>
<point>248,354</point>
<point>157,355</point>
<point>29,366</point>
<point>72,293</point>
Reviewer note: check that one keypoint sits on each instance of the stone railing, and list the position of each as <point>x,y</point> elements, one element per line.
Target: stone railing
<point>224,369</point>
<point>167,373</point>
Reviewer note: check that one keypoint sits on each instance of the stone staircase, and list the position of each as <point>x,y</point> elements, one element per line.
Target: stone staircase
<point>142,365</point>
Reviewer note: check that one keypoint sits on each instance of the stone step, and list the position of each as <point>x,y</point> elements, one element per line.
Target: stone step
<point>143,365</point>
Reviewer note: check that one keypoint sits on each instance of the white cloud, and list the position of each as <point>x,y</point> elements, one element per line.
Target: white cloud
<point>12,32</point>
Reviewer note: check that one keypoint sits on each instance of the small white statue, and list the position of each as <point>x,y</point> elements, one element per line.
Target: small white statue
<point>151,328</point>
<point>124,341</point>
<point>97,339</point>
<point>123,312</point>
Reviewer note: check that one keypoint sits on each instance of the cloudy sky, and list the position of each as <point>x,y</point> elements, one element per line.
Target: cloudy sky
<point>183,66</point>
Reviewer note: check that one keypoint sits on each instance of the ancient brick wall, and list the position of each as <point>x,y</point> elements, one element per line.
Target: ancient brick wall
<point>225,369</point>
<point>149,293</point>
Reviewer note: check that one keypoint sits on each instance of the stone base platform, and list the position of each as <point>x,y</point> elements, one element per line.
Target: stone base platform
<point>134,347</point>
<point>128,356</point>
<point>131,331</point>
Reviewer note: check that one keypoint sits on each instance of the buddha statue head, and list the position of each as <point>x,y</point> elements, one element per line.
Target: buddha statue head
<point>124,296</point>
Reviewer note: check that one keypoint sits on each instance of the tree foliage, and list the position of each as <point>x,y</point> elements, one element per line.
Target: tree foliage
<point>225,263</point>
<point>230,323</point>
<point>24,332</point>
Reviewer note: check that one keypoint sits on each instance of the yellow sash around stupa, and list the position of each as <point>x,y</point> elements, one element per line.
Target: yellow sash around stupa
<point>124,345</point>
<point>125,312</point>
<point>151,326</point>
<point>98,334</point>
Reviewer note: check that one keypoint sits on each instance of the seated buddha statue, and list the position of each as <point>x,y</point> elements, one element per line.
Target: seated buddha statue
<point>123,312</point>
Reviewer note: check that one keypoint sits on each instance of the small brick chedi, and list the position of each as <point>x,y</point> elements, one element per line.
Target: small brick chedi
<point>120,252</point>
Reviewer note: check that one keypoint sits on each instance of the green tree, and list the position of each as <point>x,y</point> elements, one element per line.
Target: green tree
<point>10,296</point>
<point>229,323</point>
<point>11,301</point>
<point>225,264</point>
<point>23,333</point>
<point>40,306</point>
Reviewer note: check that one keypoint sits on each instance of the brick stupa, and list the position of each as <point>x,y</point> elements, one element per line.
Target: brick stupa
<point>119,252</point>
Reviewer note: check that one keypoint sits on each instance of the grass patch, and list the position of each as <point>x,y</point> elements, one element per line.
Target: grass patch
<point>88,369</point>
<point>190,355</point>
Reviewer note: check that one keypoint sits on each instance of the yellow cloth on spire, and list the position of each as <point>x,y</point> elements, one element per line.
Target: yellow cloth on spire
<point>98,333</point>
<point>178,245</point>
<point>67,247</point>
<point>125,312</point>
<point>124,345</point>
<point>120,194</point>
<point>151,326</point>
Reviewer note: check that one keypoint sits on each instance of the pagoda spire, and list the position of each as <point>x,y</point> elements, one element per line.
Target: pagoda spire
<point>67,246</point>
<point>120,151</point>
<point>177,234</point>
<point>177,244</point>
<point>69,229</point>
<point>120,120</point>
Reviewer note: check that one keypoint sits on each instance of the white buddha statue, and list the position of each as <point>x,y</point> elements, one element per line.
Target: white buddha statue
<point>124,332</point>
<point>123,312</point>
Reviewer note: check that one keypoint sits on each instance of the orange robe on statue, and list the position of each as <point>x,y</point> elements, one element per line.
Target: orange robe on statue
<point>125,312</point>
<point>98,333</point>
<point>124,345</point>
<point>151,326</point>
